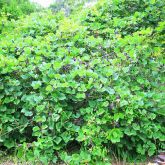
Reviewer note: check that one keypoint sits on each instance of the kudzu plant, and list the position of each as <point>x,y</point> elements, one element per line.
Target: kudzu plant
<point>83,88</point>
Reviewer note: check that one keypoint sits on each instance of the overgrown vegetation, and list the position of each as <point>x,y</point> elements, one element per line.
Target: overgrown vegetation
<point>81,89</point>
<point>13,9</point>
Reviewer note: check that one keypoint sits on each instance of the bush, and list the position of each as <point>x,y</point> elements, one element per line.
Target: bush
<point>11,10</point>
<point>81,89</point>
<point>16,8</point>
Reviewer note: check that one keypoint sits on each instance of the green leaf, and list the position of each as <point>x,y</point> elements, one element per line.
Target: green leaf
<point>123,103</point>
<point>58,140</point>
<point>66,137</point>
<point>49,88</point>
<point>27,112</point>
<point>9,143</point>
<point>110,91</point>
<point>36,128</point>
<point>55,117</point>
<point>36,84</point>
<point>114,135</point>
<point>80,95</point>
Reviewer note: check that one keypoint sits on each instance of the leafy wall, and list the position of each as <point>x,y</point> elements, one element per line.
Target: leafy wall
<point>83,89</point>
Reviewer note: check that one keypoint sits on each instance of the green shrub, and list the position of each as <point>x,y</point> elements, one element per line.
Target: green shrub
<point>82,89</point>
<point>11,10</point>
<point>16,8</point>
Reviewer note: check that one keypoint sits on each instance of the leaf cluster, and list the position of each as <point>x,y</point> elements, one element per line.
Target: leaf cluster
<point>80,89</point>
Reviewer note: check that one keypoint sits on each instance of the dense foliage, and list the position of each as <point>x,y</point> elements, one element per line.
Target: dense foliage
<point>13,9</point>
<point>82,89</point>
